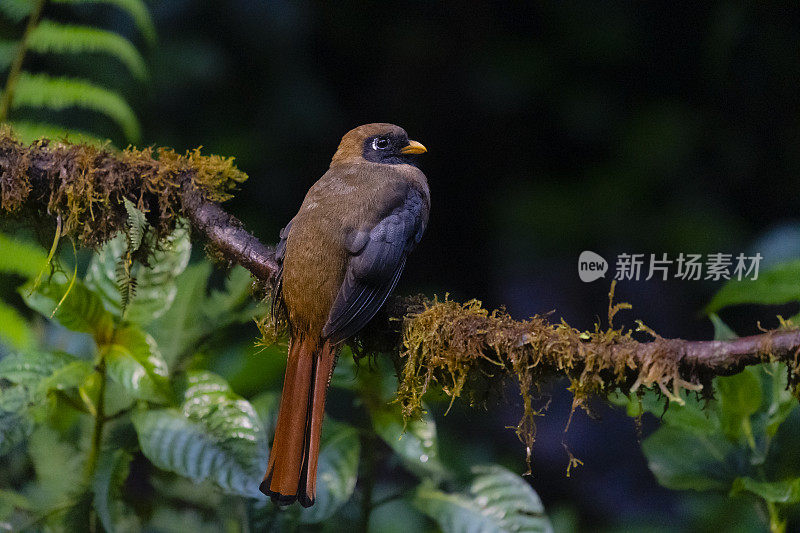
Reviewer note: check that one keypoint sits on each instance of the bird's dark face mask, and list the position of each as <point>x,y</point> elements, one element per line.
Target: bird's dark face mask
<point>392,149</point>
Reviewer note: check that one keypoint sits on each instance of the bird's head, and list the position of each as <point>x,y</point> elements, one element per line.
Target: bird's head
<point>377,143</point>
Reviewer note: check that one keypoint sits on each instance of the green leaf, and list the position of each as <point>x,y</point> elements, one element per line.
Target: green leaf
<point>59,470</point>
<point>415,442</point>
<point>785,491</point>
<point>58,93</point>
<point>183,324</point>
<point>28,132</point>
<point>8,49</point>
<point>16,10</point>
<point>682,460</point>
<point>497,500</point>
<point>68,377</point>
<point>215,435</point>
<point>778,285</point>
<point>81,310</point>
<point>14,331</point>
<point>722,332</point>
<point>112,471</point>
<point>780,401</point>
<point>234,304</point>
<point>31,375</point>
<point>739,398</point>
<point>19,257</point>
<point>135,8</point>
<point>29,369</point>
<point>193,316</point>
<point>53,37</point>
<point>266,405</point>
<point>134,362</point>
<point>15,427</point>
<point>337,472</point>
<point>155,287</point>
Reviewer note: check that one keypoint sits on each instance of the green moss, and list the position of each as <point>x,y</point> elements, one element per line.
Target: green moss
<point>468,350</point>
<point>84,185</point>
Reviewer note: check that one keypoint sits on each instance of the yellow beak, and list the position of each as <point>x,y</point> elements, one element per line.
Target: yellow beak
<point>413,148</point>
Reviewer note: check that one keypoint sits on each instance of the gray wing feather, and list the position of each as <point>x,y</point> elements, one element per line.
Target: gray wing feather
<point>378,257</point>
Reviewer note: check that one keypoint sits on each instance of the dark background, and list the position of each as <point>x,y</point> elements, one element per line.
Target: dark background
<point>647,127</point>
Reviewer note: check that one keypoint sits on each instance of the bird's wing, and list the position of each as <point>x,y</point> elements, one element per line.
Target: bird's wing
<point>378,255</point>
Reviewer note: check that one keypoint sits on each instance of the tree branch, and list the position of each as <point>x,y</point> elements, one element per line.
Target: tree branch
<point>462,346</point>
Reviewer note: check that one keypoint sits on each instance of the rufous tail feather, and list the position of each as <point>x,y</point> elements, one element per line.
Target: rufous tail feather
<point>292,468</point>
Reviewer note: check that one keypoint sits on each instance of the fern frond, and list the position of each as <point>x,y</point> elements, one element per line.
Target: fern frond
<point>126,283</point>
<point>28,132</point>
<point>43,91</point>
<point>52,37</point>
<point>135,8</point>
<point>8,50</point>
<point>16,10</point>
<point>136,227</point>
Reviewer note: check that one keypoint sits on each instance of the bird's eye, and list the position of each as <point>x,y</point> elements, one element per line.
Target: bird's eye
<point>381,143</point>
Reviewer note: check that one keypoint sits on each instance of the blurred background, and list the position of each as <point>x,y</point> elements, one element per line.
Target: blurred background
<point>552,128</point>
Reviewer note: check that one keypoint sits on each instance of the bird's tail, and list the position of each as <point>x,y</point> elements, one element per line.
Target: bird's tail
<point>292,469</point>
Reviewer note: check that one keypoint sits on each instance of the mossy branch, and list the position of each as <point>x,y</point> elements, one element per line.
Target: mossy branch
<point>462,347</point>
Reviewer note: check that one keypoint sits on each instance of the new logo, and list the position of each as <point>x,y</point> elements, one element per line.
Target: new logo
<point>591,266</point>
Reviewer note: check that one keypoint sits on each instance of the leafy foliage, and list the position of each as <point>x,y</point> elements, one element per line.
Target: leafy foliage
<point>49,92</point>
<point>138,293</point>
<point>737,443</point>
<point>777,285</point>
<point>496,500</point>
<point>186,420</point>
<point>43,91</point>
<point>51,37</point>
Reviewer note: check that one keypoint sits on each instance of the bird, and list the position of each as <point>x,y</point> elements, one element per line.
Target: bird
<point>339,258</point>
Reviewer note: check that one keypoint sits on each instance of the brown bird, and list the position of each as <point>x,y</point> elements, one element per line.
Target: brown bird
<point>340,257</point>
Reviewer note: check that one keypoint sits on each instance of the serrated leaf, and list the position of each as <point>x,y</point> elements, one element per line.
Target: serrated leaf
<point>28,132</point>
<point>16,10</point>
<point>14,330</point>
<point>58,93</point>
<point>112,470</point>
<point>20,257</point>
<point>215,435</point>
<point>775,286</point>
<point>81,310</point>
<point>52,37</point>
<point>155,287</point>
<point>784,491</point>
<point>337,472</point>
<point>497,500</point>
<point>134,362</point>
<point>135,8</point>
<point>414,442</point>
